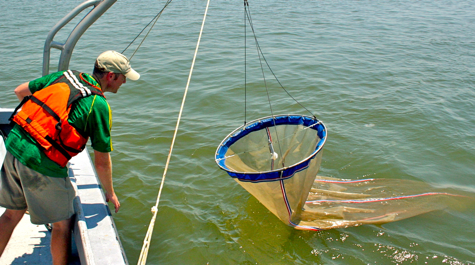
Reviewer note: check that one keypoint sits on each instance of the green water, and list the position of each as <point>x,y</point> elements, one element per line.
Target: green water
<point>392,80</point>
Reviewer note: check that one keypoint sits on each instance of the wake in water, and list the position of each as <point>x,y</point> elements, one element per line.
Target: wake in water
<point>338,203</point>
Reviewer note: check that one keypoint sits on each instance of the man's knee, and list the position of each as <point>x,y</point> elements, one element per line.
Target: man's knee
<point>63,226</point>
<point>13,216</point>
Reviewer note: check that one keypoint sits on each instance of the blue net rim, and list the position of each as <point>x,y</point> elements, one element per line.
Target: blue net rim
<point>258,124</point>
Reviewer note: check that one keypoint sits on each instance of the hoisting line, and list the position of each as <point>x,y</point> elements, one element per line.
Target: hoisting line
<point>148,236</point>
<point>273,154</point>
<point>152,23</point>
<point>247,16</point>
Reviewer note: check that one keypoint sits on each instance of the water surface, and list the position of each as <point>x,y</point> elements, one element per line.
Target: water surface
<point>392,80</point>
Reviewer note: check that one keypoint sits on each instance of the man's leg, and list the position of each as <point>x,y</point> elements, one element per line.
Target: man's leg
<point>8,222</point>
<point>61,241</point>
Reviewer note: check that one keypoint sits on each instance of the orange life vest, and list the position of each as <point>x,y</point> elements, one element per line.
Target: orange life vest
<point>44,115</point>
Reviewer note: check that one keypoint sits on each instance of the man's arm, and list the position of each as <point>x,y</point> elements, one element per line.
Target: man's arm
<point>22,91</point>
<point>103,166</point>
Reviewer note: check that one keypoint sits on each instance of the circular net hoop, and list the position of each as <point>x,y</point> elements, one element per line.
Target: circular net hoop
<point>276,159</point>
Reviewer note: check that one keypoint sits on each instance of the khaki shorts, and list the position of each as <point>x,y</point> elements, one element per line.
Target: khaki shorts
<point>48,199</point>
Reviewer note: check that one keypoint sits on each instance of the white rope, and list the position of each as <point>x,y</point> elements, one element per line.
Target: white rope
<point>148,236</point>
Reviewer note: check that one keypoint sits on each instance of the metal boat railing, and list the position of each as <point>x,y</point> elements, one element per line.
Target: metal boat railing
<point>66,48</point>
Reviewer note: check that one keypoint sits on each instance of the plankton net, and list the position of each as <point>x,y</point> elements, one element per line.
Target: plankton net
<point>275,159</point>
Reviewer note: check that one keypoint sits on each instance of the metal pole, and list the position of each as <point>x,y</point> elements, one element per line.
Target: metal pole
<point>100,7</point>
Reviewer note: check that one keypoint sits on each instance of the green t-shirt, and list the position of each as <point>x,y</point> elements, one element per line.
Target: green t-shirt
<point>90,115</point>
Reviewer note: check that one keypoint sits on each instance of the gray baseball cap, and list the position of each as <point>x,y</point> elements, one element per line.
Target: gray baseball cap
<point>115,62</point>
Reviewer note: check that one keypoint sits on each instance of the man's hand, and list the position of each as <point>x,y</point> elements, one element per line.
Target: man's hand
<point>113,198</point>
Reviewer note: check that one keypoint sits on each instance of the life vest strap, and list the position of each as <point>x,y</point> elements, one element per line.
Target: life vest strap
<point>46,107</point>
<point>25,99</point>
<point>58,147</point>
<point>69,149</point>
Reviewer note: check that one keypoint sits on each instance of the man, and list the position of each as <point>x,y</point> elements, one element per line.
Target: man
<point>59,113</point>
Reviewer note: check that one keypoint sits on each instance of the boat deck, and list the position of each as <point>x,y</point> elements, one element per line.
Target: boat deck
<point>30,245</point>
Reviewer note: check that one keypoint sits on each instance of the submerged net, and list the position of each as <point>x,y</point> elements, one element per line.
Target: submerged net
<point>337,203</point>
<point>277,159</point>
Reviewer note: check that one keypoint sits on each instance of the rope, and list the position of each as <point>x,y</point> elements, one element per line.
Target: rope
<point>260,52</point>
<point>154,20</point>
<point>148,237</point>
<point>245,62</point>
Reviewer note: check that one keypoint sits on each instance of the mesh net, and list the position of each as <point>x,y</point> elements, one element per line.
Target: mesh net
<point>337,203</point>
<point>276,159</point>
